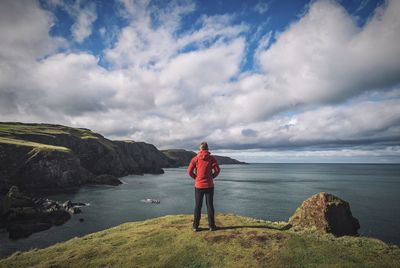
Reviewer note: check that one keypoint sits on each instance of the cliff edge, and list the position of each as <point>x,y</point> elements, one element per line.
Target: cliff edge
<point>239,242</point>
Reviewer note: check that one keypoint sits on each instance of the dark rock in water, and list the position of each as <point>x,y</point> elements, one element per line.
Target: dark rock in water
<point>325,213</point>
<point>21,230</point>
<point>152,201</point>
<point>59,217</point>
<point>81,219</point>
<point>79,204</point>
<point>23,215</point>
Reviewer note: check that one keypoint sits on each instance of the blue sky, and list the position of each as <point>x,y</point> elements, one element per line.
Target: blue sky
<point>260,16</point>
<point>262,81</point>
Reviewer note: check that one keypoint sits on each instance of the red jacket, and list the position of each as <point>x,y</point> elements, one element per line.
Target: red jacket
<point>206,167</point>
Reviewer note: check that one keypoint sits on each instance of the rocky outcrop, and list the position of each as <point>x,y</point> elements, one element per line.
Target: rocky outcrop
<point>21,215</point>
<point>224,160</point>
<point>183,157</point>
<point>147,158</point>
<point>180,156</point>
<point>44,156</point>
<point>325,213</point>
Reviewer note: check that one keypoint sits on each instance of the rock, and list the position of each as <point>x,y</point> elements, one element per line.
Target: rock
<point>22,213</point>
<point>106,179</point>
<point>81,219</point>
<point>79,204</point>
<point>325,213</point>
<point>17,199</point>
<point>21,230</point>
<point>74,210</point>
<point>25,215</point>
<point>60,157</point>
<point>149,200</point>
<point>59,217</point>
<point>180,157</point>
<point>71,207</point>
<point>67,204</point>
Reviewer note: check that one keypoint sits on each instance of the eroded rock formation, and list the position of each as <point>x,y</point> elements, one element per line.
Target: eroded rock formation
<point>325,213</point>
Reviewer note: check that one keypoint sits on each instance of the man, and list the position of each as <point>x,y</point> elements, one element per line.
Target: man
<point>204,169</point>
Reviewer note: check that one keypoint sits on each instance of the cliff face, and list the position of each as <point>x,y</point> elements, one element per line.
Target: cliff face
<point>183,157</point>
<point>45,156</point>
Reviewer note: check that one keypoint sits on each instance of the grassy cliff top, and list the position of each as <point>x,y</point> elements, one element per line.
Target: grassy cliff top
<point>241,242</point>
<point>24,134</point>
<point>41,146</point>
<point>16,128</point>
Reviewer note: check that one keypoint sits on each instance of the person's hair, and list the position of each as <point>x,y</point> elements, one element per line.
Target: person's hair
<point>203,146</point>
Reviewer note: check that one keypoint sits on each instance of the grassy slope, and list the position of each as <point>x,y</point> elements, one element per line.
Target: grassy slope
<point>15,134</point>
<point>241,242</point>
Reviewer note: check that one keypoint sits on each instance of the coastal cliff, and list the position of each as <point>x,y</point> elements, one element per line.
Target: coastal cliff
<point>183,157</point>
<point>45,156</point>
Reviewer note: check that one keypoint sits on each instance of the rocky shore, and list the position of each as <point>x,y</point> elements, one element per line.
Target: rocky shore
<point>21,214</point>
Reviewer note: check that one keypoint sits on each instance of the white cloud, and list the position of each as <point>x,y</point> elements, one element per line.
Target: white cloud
<point>84,16</point>
<point>261,7</point>
<point>347,125</point>
<point>24,31</point>
<point>82,28</point>
<point>325,57</point>
<point>174,87</point>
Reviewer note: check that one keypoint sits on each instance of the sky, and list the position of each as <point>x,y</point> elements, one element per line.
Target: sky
<point>261,81</point>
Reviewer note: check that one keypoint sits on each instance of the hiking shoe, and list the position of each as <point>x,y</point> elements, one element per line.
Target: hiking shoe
<point>195,229</point>
<point>213,228</point>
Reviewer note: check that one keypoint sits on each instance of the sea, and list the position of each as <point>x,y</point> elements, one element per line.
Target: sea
<point>261,191</point>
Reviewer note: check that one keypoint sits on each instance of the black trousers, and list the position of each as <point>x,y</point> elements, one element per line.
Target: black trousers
<point>199,194</point>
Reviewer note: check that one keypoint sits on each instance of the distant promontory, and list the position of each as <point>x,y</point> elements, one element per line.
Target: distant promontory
<point>183,157</point>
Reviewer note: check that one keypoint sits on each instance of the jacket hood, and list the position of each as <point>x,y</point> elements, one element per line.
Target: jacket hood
<point>203,154</point>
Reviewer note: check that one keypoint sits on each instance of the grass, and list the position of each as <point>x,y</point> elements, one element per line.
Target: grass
<point>241,242</point>
<point>34,145</point>
<point>17,129</point>
<point>22,134</point>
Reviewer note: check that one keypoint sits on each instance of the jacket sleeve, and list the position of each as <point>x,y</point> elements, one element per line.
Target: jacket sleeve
<point>191,168</point>
<point>216,168</point>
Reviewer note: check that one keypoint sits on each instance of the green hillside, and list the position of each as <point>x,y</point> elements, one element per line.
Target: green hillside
<point>22,134</point>
<point>240,242</point>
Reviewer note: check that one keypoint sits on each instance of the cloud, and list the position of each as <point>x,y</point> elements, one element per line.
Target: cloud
<point>24,32</point>
<point>322,84</point>
<point>324,127</point>
<point>337,155</point>
<point>261,7</point>
<point>82,28</point>
<point>325,57</point>
<point>84,16</point>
